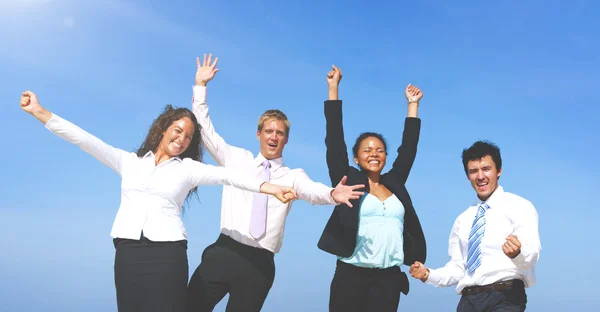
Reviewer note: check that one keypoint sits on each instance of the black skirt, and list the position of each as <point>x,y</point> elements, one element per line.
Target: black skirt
<point>150,276</point>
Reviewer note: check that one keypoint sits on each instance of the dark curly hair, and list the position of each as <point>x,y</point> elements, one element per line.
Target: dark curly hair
<point>161,124</point>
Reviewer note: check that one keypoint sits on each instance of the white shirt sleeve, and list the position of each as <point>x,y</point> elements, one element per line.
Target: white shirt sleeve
<point>313,192</point>
<point>203,174</point>
<point>216,146</point>
<point>454,270</point>
<point>108,155</point>
<point>526,230</point>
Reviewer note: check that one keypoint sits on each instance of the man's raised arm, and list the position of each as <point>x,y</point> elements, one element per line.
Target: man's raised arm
<point>212,141</point>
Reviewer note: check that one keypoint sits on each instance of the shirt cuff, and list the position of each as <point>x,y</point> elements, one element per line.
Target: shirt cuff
<point>260,183</point>
<point>434,278</point>
<point>199,94</point>
<point>331,200</point>
<point>520,259</point>
<point>53,122</point>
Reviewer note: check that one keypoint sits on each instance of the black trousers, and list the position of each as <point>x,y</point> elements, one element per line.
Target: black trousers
<point>356,289</point>
<point>150,276</point>
<point>227,266</point>
<point>510,300</point>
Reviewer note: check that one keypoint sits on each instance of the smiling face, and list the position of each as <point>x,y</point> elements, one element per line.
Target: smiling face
<point>177,137</point>
<point>371,155</point>
<point>272,137</point>
<point>484,176</point>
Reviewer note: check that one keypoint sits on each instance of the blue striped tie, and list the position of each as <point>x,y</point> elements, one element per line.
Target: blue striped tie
<point>475,237</point>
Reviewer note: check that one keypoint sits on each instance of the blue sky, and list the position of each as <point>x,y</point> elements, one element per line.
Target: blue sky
<point>519,73</point>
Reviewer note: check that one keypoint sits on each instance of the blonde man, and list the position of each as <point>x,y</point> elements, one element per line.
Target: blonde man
<point>241,261</point>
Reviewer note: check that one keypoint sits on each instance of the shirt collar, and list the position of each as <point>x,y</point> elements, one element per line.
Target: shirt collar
<point>494,198</point>
<point>150,153</point>
<point>275,163</point>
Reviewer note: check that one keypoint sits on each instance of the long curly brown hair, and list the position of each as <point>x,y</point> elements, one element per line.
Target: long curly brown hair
<point>161,124</point>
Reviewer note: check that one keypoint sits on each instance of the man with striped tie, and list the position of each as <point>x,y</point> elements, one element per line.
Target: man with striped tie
<point>494,245</point>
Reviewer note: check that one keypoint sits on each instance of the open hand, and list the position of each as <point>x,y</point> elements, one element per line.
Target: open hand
<point>419,271</point>
<point>334,77</point>
<point>207,70</point>
<point>512,247</point>
<point>413,94</point>
<point>342,193</point>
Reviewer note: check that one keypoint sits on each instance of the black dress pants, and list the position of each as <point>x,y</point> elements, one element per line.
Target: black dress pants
<point>150,276</point>
<point>509,300</point>
<point>357,289</point>
<point>227,266</point>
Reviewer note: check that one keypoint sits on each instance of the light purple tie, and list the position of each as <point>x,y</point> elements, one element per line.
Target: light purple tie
<point>258,219</point>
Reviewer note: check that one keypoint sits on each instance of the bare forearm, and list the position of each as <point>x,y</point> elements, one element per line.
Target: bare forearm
<point>42,115</point>
<point>413,109</point>
<point>333,93</point>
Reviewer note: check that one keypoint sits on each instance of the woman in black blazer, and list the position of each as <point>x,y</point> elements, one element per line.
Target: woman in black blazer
<point>382,230</point>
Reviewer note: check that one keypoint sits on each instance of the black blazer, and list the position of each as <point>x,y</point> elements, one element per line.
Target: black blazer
<point>341,231</point>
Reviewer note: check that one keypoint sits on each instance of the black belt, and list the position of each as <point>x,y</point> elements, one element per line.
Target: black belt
<point>503,285</point>
<point>226,240</point>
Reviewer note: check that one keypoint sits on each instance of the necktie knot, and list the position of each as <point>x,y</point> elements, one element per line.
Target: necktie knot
<point>266,164</point>
<point>483,208</point>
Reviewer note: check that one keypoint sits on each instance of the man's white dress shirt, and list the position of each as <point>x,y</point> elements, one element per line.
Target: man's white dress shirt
<point>508,214</point>
<point>236,204</point>
<point>151,196</point>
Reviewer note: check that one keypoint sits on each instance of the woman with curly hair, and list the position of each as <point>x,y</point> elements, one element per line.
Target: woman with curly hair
<point>151,267</point>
